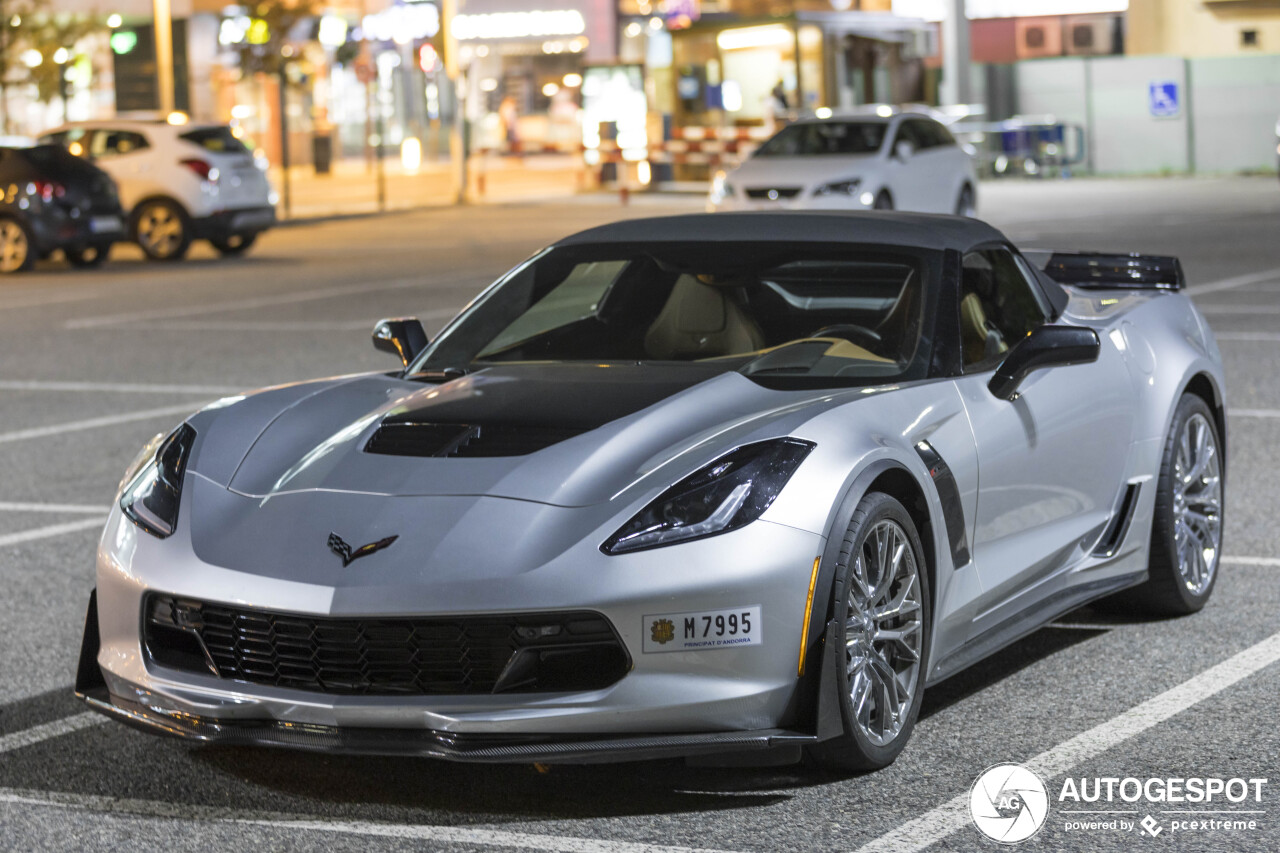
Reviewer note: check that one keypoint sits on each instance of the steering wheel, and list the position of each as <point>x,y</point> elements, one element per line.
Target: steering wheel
<point>852,332</point>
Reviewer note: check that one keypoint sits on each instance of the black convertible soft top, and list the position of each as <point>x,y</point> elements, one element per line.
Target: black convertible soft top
<point>922,230</point>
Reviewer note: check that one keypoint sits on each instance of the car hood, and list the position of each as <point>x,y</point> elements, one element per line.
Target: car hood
<point>800,171</point>
<point>624,423</point>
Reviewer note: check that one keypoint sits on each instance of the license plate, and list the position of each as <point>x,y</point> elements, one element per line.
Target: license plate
<point>253,219</point>
<point>703,630</point>
<point>104,224</point>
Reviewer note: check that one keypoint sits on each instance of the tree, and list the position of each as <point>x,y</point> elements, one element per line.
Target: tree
<point>268,48</point>
<point>271,25</point>
<point>28,28</point>
<point>55,37</point>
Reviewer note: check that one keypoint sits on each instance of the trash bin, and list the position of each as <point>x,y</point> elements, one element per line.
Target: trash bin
<point>322,152</point>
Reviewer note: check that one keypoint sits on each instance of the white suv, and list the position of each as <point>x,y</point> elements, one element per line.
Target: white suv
<point>178,182</point>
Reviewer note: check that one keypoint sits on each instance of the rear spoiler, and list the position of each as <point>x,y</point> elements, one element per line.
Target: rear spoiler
<point>1103,271</point>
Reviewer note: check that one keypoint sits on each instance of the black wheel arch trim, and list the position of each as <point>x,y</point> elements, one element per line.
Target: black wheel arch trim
<point>818,694</point>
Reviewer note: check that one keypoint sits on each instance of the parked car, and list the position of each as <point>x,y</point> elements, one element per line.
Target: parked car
<point>53,200</point>
<point>885,160</point>
<point>178,182</point>
<point>673,486</point>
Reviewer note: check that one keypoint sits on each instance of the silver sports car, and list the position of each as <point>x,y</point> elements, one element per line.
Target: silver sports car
<point>677,486</point>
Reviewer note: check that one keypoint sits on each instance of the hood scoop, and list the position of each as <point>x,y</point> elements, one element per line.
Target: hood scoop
<point>400,438</point>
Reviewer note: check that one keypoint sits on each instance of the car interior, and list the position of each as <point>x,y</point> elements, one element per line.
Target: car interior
<point>821,315</point>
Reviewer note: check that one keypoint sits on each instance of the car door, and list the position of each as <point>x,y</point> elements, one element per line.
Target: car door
<point>919,178</point>
<point>1052,462</point>
<point>125,156</point>
<point>903,176</point>
<point>952,166</point>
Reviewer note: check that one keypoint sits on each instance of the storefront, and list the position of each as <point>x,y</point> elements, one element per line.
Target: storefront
<point>523,68</point>
<point>751,63</point>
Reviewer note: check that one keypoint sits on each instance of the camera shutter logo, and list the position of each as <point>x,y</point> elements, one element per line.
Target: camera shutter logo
<point>1009,803</point>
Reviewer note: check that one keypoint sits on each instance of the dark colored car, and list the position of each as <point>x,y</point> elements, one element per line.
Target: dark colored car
<point>50,199</point>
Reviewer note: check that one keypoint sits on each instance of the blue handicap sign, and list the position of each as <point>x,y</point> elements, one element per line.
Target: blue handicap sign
<point>1162,98</point>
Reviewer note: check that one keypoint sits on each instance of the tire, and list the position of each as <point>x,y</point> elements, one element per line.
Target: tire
<point>874,734</point>
<point>233,244</point>
<point>89,256</point>
<point>1180,575</point>
<point>967,203</point>
<point>16,251</point>
<point>883,201</point>
<point>162,229</point>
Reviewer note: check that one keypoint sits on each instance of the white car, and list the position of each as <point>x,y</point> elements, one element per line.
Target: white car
<point>178,182</point>
<point>893,161</point>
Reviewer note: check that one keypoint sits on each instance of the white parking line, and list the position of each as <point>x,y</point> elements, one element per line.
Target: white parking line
<point>1269,562</point>
<point>1233,282</point>
<point>50,531</point>
<point>57,728</point>
<point>431,835</point>
<point>94,423</point>
<point>240,304</point>
<point>1254,413</point>
<point>17,506</point>
<point>46,299</point>
<point>114,387</point>
<point>1247,336</point>
<point>1239,309</point>
<point>953,815</point>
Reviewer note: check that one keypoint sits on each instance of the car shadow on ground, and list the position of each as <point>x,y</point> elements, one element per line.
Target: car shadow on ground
<point>986,673</point>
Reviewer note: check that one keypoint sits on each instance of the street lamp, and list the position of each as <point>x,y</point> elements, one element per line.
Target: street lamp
<point>163,26</point>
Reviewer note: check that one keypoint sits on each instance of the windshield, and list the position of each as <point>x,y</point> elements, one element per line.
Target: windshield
<point>827,137</point>
<point>830,314</point>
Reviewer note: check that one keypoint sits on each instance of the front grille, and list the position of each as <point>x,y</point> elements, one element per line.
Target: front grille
<point>464,440</point>
<point>545,652</point>
<point>772,193</point>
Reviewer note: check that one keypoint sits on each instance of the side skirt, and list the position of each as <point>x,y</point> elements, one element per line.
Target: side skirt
<point>1030,620</point>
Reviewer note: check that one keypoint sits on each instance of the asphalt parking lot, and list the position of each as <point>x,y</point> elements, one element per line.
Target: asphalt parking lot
<point>94,363</point>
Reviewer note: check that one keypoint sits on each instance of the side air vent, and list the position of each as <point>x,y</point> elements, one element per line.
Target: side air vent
<point>465,440</point>
<point>1115,531</point>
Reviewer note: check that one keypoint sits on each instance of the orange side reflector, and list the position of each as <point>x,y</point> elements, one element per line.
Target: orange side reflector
<point>808,612</point>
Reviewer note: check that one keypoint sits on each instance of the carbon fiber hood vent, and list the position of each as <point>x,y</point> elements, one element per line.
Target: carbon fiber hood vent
<point>464,440</point>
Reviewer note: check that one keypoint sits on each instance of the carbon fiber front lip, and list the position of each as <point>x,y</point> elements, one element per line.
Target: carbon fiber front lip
<point>426,743</point>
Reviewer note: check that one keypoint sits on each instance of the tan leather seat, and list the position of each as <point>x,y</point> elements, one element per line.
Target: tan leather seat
<point>976,338</point>
<point>700,321</point>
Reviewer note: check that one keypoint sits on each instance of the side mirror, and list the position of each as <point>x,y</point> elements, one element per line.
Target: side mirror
<point>903,150</point>
<point>1047,346</point>
<point>401,336</point>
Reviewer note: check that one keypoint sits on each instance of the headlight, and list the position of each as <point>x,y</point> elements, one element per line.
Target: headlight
<point>734,490</point>
<point>151,498</point>
<point>721,189</point>
<point>849,188</point>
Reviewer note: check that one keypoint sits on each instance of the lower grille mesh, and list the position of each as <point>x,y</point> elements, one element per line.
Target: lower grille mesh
<point>411,656</point>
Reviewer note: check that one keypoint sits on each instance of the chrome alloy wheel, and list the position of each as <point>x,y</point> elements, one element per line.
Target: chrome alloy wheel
<point>160,230</point>
<point>14,246</point>
<point>1197,504</point>
<point>883,632</point>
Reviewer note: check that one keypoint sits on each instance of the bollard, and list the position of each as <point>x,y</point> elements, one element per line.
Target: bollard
<point>624,195</point>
